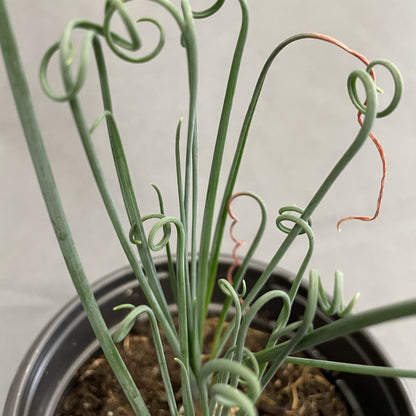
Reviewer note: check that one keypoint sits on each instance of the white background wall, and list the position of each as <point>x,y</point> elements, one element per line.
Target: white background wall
<point>303,124</point>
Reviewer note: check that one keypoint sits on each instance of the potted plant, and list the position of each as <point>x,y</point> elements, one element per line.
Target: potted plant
<point>233,377</point>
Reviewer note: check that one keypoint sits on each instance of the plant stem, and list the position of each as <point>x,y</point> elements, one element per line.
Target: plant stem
<point>54,206</point>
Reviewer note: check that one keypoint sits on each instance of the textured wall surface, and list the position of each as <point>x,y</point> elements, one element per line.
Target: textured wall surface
<point>303,123</point>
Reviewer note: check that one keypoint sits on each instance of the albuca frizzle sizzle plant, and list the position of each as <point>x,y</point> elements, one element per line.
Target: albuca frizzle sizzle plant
<point>213,386</point>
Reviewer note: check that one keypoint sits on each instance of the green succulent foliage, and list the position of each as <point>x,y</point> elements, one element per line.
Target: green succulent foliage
<point>216,384</point>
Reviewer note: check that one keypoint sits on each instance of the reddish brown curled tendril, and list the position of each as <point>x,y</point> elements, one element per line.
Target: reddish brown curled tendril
<point>383,179</point>
<point>238,243</point>
<point>378,145</point>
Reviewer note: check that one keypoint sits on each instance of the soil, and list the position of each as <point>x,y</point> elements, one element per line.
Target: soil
<point>294,391</point>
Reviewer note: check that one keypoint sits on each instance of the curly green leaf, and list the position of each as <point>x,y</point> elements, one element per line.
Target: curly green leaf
<point>124,329</point>
<point>336,305</point>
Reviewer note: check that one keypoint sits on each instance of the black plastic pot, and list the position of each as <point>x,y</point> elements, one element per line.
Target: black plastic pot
<point>68,341</point>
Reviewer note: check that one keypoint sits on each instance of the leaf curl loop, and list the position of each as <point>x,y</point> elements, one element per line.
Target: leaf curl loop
<point>165,225</point>
<point>283,216</point>
<point>115,44</point>
<point>111,7</point>
<point>397,93</point>
<point>305,228</point>
<point>66,51</point>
